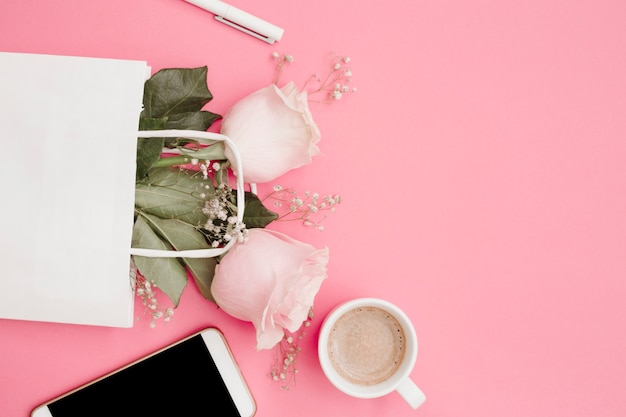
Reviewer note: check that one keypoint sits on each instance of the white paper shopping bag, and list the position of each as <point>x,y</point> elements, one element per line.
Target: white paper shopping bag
<point>68,129</point>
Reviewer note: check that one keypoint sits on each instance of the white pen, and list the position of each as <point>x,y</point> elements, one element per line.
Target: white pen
<point>241,20</point>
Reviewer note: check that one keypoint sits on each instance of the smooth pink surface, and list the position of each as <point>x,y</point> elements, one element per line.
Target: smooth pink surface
<point>482,168</point>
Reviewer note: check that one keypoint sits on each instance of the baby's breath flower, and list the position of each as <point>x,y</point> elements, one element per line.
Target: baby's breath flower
<point>333,85</point>
<point>222,225</point>
<point>146,291</point>
<point>307,209</point>
<point>285,368</point>
<point>282,60</point>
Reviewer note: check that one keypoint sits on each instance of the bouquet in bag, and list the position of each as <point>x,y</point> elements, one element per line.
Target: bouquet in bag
<point>190,200</point>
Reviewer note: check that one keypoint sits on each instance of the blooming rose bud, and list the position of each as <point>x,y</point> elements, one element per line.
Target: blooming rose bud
<point>274,132</point>
<point>271,281</point>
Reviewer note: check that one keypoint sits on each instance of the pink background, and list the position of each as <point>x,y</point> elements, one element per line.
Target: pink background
<point>481,164</point>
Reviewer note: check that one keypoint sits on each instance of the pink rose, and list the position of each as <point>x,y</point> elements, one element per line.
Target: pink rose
<point>274,132</point>
<point>271,281</point>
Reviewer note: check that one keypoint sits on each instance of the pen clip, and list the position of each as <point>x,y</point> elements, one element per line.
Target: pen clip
<point>244,29</point>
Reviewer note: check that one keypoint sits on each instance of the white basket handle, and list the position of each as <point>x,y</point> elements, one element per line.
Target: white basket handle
<point>206,138</point>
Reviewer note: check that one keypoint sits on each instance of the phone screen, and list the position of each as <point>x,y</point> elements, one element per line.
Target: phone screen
<point>181,380</point>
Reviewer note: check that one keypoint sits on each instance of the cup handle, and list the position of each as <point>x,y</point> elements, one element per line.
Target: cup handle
<point>411,393</point>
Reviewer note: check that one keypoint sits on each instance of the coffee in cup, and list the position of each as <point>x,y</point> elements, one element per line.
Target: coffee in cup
<point>367,348</point>
<point>366,345</point>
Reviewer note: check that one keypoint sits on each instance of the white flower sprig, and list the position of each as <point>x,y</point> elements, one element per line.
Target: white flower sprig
<point>281,62</point>
<point>146,291</point>
<point>333,85</point>
<point>309,209</point>
<point>285,367</point>
<point>222,225</point>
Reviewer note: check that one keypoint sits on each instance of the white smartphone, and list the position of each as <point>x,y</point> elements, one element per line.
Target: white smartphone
<point>196,376</point>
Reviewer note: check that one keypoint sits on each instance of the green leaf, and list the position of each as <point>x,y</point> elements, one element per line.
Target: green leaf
<point>168,274</point>
<point>176,90</point>
<point>184,236</point>
<point>199,120</point>
<point>148,152</point>
<point>255,214</point>
<point>178,234</point>
<point>202,271</point>
<point>152,123</point>
<point>173,194</point>
<point>173,99</point>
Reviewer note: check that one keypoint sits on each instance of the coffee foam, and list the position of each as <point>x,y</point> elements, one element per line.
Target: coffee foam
<point>366,345</point>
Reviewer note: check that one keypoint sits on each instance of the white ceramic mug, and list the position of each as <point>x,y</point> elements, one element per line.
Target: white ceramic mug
<point>367,348</point>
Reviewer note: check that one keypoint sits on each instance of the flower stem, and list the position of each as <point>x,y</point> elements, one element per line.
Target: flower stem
<point>208,153</point>
<point>171,161</point>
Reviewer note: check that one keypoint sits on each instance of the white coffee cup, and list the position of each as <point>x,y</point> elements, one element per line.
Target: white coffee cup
<point>367,348</point>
